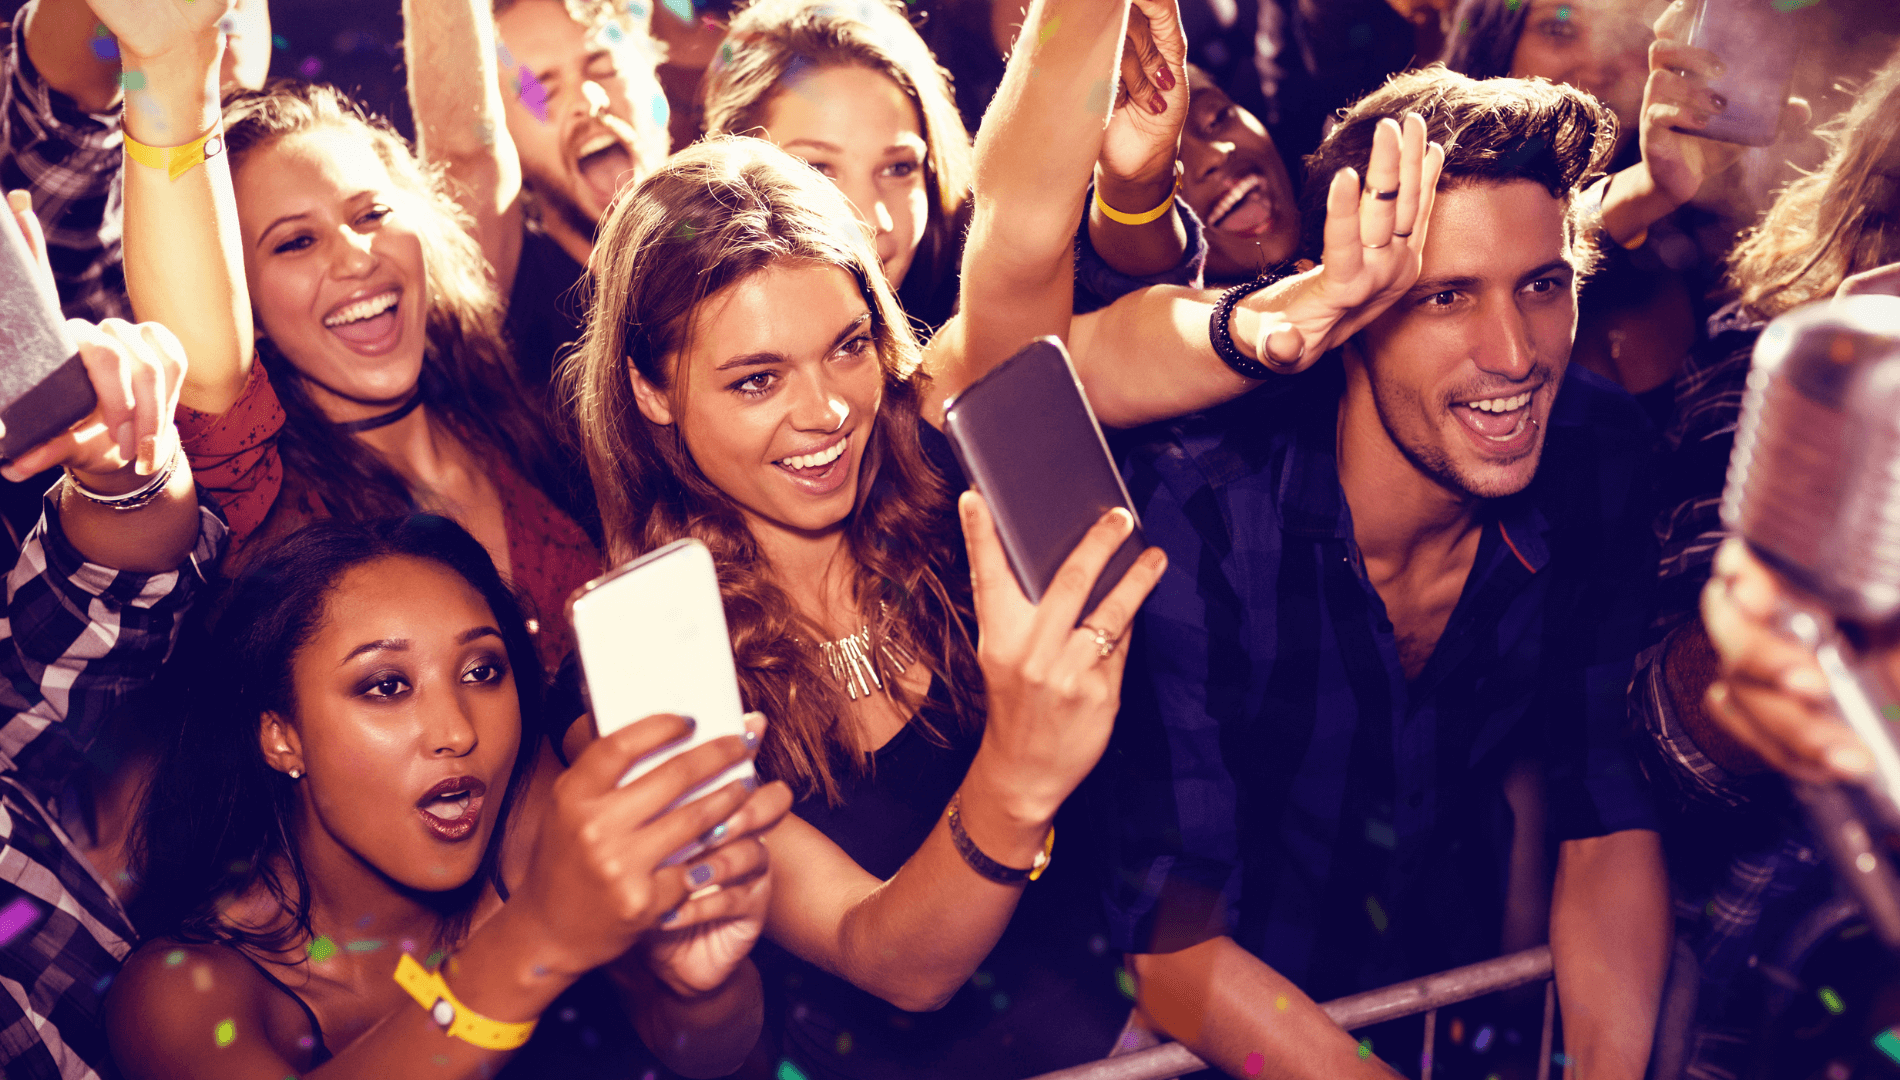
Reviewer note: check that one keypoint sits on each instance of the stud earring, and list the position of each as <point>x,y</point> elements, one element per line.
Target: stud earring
<point>296,774</point>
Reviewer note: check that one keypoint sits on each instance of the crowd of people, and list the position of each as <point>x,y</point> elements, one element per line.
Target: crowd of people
<point>1420,331</point>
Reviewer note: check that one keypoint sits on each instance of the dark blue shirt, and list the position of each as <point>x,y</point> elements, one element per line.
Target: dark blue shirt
<point>1276,778</point>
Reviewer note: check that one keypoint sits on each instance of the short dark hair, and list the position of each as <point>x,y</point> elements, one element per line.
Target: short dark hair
<point>1493,131</point>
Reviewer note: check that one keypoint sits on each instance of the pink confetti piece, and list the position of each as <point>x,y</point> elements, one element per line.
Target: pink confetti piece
<point>16,917</point>
<point>534,96</point>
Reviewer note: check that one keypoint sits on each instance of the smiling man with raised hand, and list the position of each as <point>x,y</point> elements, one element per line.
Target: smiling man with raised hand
<point>1414,556</point>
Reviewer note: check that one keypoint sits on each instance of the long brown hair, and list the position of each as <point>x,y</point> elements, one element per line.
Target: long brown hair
<point>770,44</point>
<point>718,212</point>
<point>1835,222</point>
<point>468,378</point>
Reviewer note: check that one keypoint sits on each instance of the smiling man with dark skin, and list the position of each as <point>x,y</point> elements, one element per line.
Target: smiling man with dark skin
<point>1407,551</point>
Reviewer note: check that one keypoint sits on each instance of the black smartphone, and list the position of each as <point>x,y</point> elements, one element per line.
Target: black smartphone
<point>1028,441</point>
<point>44,388</point>
<point>1758,42</point>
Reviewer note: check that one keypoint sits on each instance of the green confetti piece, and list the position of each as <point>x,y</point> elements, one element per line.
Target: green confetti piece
<point>367,945</point>
<point>132,80</point>
<point>1048,31</point>
<point>322,949</point>
<point>174,958</point>
<point>1125,982</point>
<point>434,959</point>
<point>789,1071</point>
<point>226,1033</point>
<point>1376,914</point>
<point>1832,1001</point>
<point>1891,712</point>
<point>1793,5</point>
<point>1365,1048</point>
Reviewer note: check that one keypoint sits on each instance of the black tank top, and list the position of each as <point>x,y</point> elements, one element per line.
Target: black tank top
<point>319,1053</point>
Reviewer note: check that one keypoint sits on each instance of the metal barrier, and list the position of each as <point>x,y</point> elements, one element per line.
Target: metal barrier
<point>1423,995</point>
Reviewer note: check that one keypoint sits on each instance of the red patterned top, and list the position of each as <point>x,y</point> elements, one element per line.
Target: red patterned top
<point>235,459</point>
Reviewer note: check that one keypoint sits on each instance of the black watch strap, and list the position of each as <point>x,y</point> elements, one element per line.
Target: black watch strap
<point>1220,325</point>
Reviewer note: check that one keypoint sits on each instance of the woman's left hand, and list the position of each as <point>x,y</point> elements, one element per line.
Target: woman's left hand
<point>1151,107</point>
<point>701,943</point>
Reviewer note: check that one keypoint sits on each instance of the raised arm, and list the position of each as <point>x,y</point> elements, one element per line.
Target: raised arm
<point>1052,695</point>
<point>455,94</point>
<point>1035,152</point>
<point>184,262</point>
<point>61,43</point>
<point>1148,356</point>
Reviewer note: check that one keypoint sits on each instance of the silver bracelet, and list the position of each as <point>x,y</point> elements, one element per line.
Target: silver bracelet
<point>138,497</point>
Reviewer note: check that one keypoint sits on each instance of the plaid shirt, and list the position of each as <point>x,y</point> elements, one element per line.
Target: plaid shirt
<point>1277,777</point>
<point>69,160</point>
<point>76,638</point>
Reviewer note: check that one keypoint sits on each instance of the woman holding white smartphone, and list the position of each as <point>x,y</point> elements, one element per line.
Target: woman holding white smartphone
<point>748,379</point>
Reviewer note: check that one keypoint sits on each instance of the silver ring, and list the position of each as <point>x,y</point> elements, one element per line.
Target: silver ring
<point>1386,196</point>
<point>1401,235</point>
<point>1105,642</point>
<point>1375,247</point>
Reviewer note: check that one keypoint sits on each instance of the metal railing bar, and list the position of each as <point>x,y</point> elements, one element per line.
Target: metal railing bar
<point>1425,994</point>
<point>1431,1032</point>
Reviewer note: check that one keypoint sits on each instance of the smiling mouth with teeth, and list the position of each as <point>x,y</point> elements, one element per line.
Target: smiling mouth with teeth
<point>818,460</point>
<point>1502,404</point>
<point>367,308</point>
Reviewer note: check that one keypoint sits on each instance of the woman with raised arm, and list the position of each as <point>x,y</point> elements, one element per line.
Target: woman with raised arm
<point>749,379</point>
<point>379,383</point>
<point>360,787</point>
<point>854,91</point>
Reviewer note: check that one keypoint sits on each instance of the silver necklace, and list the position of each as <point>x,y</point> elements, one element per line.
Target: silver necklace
<point>851,663</point>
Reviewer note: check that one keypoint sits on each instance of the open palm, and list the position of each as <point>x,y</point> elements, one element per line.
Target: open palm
<point>155,27</point>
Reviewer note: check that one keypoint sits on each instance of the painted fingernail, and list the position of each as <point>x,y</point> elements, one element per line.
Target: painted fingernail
<point>751,740</point>
<point>700,876</point>
<point>1159,105</point>
<point>670,916</point>
<point>1805,681</point>
<point>750,783</point>
<point>1718,101</point>
<point>123,436</point>
<point>714,835</point>
<point>691,724</point>
<point>1851,760</point>
<point>1164,75</point>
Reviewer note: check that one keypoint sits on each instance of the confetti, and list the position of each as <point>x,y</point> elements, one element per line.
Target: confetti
<point>982,979</point>
<point>1376,914</point>
<point>789,1071</point>
<point>1049,31</point>
<point>100,986</point>
<point>105,48</point>
<point>322,949</point>
<point>1280,1003</point>
<point>661,110</point>
<point>1560,1059</point>
<point>1793,5</point>
<point>681,9</point>
<point>1891,712</point>
<point>16,917</point>
<point>843,1043</point>
<point>1563,13</point>
<point>226,1033</point>
<point>1098,944</point>
<point>999,1001</point>
<point>311,67</point>
<point>440,1059</point>
<point>1832,1001</point>
<point>1254,1063</point>
<point>611,32</point>
<point>174,958</point>
<point>1381,833</point>
<point>278,41</point>
<point>434,958</point>
<point>201,979</point>
<point>637,9</point>
<point>1457,1030</point>
<point>1365,1049</point>
<point>365,945</point>
<point>534,96</point>
<point>1482,1040</point>
<point>132,80</point>
<point>1125,982</point>
<point>1888,1043</point>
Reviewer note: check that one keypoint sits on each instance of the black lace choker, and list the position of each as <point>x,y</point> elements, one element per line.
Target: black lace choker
<point>371,423</point>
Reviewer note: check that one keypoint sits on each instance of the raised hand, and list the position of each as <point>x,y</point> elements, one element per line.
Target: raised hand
<point>1374,245</point>
<point>599,877</point>
<point>147,28</point>
<point>699,944</point>
<point>1053,686</point>
<point>1151,105</point>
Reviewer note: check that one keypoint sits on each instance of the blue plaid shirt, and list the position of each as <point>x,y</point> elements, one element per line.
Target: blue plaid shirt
<point>1275,776</point>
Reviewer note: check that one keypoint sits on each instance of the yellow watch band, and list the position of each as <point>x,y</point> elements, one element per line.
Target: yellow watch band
<point>177,160</point>
<point>1145,216</point>
<point>456,1019</point>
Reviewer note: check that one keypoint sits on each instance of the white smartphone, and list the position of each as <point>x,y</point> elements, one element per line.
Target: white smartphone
<point>652,639</point>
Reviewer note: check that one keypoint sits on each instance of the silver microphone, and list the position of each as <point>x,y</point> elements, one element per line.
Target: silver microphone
<point>1814,490</point>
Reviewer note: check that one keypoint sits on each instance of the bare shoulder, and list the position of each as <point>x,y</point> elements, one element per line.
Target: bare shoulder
<point>173,1003</point>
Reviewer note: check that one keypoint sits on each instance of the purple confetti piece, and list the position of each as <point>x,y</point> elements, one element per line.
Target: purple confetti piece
<point>534,96</point>
<point>105,48</point>
<point>311,67</point>
<point>15,918</point>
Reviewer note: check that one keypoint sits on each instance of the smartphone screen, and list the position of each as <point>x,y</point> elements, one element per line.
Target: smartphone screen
<point>1757,42</point>
<point>652,639</point>
<point>1027,439</point>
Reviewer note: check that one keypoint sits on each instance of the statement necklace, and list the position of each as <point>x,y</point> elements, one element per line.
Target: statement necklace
<point>851,663</point>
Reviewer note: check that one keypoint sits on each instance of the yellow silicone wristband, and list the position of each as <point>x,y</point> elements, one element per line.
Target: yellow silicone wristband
<point>177,160</point>
<point>1145,216</point>
<point>463,1023</point>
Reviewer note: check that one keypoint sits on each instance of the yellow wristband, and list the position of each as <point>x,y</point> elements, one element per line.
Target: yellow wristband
<point>456,1019</point>
<point>177,160</point>
<point>1144,217</point>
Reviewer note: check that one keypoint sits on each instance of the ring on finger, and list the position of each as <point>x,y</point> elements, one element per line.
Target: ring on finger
<point>1105,642</point>
<point>1375,247</point>
<point>1386,196</point>
<point>1401,235</point>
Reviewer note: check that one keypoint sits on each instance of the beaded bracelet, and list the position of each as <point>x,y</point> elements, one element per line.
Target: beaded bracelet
<point>1220,326</point>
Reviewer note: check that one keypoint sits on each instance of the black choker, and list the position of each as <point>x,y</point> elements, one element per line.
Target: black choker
<point>371,423</point>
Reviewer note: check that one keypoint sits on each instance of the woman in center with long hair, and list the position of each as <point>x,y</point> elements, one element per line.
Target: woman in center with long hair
<point>748,378</point>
